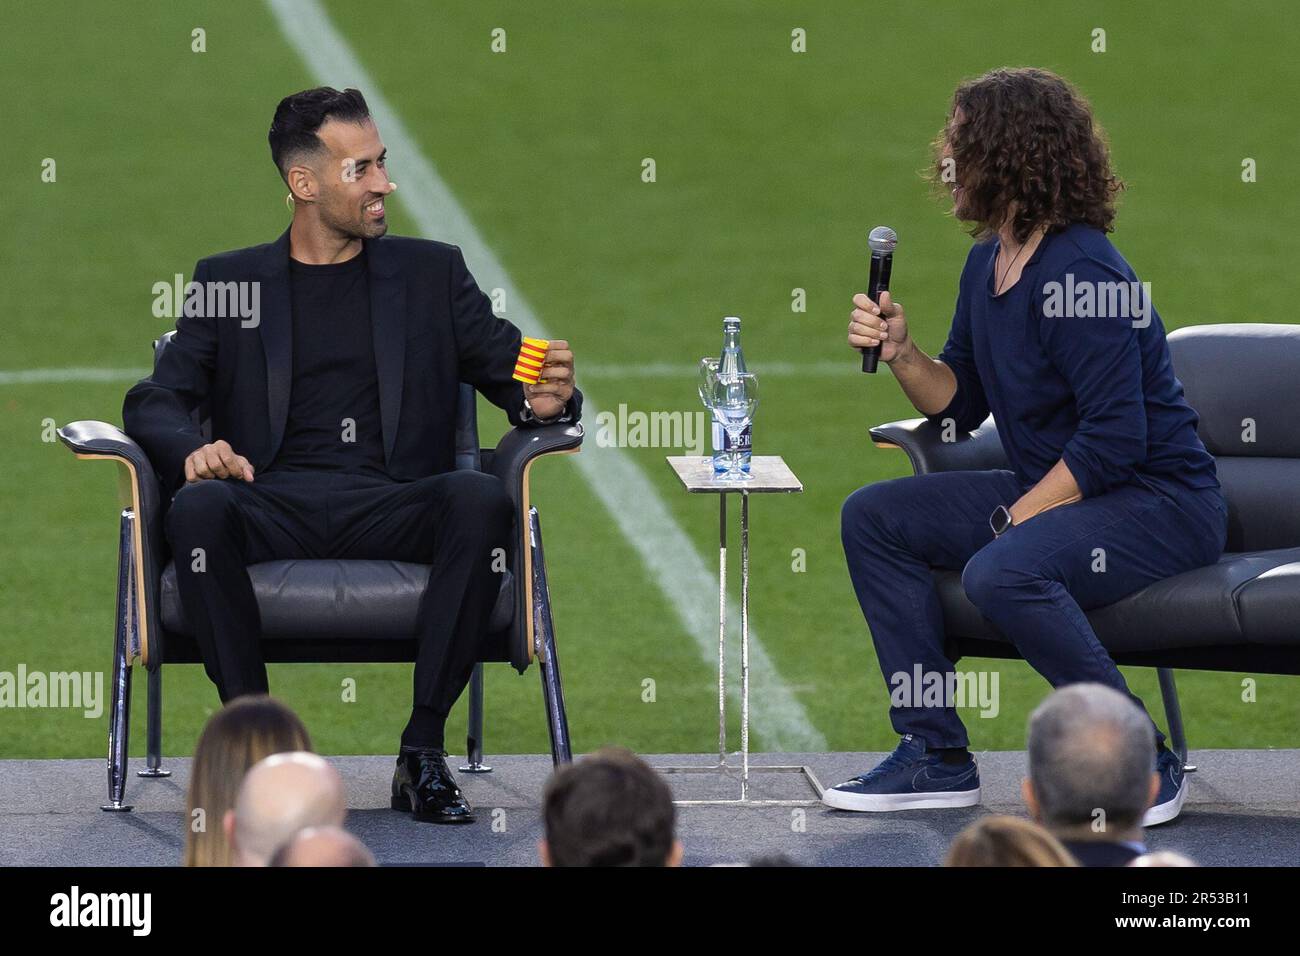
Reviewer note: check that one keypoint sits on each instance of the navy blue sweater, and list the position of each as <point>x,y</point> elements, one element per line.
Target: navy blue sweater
<point>1072,364</point>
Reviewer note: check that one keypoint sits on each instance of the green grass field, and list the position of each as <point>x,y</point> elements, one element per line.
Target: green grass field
<point>771,167</point>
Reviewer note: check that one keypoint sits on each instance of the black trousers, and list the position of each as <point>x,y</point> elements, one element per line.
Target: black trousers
<point>452,521</point>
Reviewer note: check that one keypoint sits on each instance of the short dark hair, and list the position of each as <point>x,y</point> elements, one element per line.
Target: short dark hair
<point>1029,137</point>
<point>298,117</point>
<point>609,809</point>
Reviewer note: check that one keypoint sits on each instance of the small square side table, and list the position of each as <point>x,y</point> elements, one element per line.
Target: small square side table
<point>769,474</point>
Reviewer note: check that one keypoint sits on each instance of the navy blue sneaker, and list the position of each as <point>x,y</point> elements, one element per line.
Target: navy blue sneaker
<point>1173,790</point>
<point>909,779</point>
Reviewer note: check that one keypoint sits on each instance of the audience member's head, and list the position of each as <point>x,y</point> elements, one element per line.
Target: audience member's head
<point>323,846</point>
<point>243,732</point>
<point>281,795</point>
<point>609,809</point>
<point>1092,754</point>
<point>1007,841</point>
<point>1161,858</point>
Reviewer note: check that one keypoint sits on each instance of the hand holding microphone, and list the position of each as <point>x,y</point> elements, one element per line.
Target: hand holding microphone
<point>877,324</point>
<point>877,329</point>
<point>875,337</point>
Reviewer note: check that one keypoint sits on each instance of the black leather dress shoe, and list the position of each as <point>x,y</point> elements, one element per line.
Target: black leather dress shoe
<point>423,785</point>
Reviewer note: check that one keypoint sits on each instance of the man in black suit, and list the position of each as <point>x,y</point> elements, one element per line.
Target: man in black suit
<point>332,405</point>
<point>1092,772</point>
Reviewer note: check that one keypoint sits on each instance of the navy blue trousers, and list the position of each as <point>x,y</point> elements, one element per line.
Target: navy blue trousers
<point>1034,583</point>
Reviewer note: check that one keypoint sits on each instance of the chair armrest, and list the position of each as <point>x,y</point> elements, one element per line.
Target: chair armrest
<point>922,440</point>
<point>141,492</point>
<point>510,461</point>
<point>101,440</point>
<point>519,447</point>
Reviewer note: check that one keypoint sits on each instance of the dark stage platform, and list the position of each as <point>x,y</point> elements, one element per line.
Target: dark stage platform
<point>1243,809</point>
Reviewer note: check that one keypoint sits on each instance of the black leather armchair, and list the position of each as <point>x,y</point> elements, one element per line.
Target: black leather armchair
<point>315,611</point>
<point>1241,614</point>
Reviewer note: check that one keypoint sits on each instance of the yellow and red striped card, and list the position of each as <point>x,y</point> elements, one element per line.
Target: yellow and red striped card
<point>528,367</point>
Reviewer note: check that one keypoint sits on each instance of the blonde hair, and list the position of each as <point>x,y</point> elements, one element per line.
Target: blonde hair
<point>245,731</point>
<point>1007,841</point>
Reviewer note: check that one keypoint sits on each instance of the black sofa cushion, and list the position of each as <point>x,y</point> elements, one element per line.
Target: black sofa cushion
<point>334,599</point>
<point>1238,374</point>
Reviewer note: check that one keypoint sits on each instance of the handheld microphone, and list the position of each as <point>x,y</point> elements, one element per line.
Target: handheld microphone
<point>882,242</point>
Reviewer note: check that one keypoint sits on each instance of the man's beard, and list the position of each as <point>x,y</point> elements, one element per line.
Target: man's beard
<point>363,228</point>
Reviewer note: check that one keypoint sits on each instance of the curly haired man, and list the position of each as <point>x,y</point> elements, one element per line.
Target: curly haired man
<point>1055,337</point>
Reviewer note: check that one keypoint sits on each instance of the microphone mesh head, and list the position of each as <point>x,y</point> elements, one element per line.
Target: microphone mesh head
<point>882,240</point>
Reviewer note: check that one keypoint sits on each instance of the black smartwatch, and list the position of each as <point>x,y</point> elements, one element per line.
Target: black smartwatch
<point>1000,520</point>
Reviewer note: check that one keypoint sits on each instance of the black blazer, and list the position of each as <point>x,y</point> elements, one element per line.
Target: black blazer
<point>1093,853</point>
<point>433,329</point>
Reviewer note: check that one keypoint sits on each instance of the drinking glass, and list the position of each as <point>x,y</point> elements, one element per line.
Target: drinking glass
<point>734,400</point>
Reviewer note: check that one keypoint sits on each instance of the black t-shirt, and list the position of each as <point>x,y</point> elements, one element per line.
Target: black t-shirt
<point>334,421</point>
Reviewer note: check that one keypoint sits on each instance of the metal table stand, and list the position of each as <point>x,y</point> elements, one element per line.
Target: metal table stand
<point>768,474</point>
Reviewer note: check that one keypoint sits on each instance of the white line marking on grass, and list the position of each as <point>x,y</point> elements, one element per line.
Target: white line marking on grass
<point>55,376</point>
<point>589,370</point>
<point>688,370</point>
<point>631,499</point>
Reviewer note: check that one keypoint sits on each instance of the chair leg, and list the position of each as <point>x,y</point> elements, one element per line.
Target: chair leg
<point>119,717</point>
<point>1174,715</point>
<point>557,718</point>
<point>474,738</point>
<point>153,728</point>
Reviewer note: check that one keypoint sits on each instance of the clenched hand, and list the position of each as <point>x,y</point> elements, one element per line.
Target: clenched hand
<point>217,460</point>
<point>549,396</point>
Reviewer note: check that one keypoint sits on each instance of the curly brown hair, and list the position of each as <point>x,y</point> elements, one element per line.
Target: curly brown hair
<point>1025,137</point>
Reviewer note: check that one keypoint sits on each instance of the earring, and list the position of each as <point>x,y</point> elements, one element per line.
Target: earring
<point>288,201</point>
